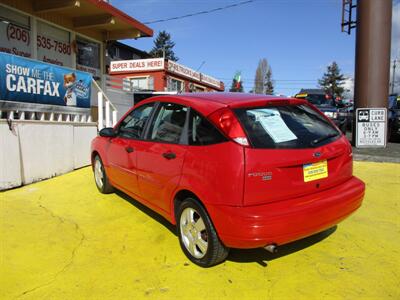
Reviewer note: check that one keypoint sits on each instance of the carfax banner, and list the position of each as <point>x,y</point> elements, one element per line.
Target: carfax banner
<point>26,80</point>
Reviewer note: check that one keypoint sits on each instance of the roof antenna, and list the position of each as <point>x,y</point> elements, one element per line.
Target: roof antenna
<point>202,64</point>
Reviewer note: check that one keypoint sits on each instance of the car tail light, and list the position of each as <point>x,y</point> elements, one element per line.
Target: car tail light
<point>227,122</point>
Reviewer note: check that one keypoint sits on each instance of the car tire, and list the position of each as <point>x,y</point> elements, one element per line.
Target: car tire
<point>197,235</point>
<point>100,177</point>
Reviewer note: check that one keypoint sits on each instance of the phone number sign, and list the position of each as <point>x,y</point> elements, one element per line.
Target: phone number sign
<point>15,39</point>
<point>53,45</point>
<point>371,127</point>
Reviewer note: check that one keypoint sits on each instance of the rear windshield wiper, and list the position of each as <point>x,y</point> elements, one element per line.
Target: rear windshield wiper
<point>321,139</point>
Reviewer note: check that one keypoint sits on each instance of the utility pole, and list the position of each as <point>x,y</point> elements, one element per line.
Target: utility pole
<point>372,63</point>
<point>373,37</point>
<point>393,75</point>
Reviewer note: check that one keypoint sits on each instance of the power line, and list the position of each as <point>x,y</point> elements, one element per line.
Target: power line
<point>201,12</point>
<point>274,80</point>
<point>280,79</point>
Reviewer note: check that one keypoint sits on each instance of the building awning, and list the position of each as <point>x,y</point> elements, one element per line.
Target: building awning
<point>95,15</point>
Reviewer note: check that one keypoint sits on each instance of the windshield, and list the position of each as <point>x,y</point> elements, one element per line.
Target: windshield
<point>291,126</point>
<point>319,99</point>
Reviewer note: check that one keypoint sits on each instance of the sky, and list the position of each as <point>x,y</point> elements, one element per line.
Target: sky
<point>299,38</point>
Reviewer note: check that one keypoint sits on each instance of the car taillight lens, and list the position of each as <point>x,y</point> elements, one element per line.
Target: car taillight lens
<point>227,122</point>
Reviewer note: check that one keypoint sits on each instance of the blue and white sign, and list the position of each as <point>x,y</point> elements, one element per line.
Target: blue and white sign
<point>26,80</point>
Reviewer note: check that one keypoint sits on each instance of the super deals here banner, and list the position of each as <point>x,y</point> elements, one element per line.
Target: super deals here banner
<point>26,80</point>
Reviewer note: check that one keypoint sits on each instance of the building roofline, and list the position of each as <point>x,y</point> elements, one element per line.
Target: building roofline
<point>147,31</point>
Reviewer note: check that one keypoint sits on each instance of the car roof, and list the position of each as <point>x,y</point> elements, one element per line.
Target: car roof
<point>207,103</point>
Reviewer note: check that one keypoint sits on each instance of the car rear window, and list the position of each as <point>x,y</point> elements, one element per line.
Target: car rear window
<point>289,126</point>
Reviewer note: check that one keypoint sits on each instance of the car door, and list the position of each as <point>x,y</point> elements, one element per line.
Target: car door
<point>122,155</point>
<point>160,156</point>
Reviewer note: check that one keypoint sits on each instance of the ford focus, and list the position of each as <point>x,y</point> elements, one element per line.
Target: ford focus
<point>231,170</point>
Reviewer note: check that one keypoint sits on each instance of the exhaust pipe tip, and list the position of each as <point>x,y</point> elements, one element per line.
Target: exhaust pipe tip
<point>271,248</point>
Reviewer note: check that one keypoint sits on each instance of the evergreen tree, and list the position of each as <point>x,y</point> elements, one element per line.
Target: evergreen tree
<point>237,86</point>
<point>163,44</point>
<point>263,83</point>
<point>332,81</point>
<point>269,85</point>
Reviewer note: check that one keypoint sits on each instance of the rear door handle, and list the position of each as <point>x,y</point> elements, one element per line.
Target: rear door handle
<point>129,149</point>
<point>169,155</point>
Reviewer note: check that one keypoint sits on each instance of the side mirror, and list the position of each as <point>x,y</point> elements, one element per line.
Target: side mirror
<point>108,132</point>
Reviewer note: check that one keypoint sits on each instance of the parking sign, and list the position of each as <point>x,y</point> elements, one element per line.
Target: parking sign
<point>371,127</point>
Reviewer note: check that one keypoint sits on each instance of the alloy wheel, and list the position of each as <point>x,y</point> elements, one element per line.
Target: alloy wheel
<point>193,232</point>
<point>98,173</point>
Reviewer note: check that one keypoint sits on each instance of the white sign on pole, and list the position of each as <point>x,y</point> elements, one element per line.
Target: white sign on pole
<point>371,127</point>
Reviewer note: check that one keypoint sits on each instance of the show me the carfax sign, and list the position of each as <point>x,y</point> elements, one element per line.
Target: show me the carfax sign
<point>371,127</point>
<point>31,81</point>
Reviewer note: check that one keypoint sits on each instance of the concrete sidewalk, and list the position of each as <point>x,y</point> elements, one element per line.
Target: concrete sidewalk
<point>389,154</point>
<point>62,239</point>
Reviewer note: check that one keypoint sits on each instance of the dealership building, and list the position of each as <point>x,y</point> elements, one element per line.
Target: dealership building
<point>53,66</point>
<point>64,76</point>
<point>73,34</point>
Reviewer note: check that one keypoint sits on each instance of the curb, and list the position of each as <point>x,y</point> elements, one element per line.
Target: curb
<point>375,158</point>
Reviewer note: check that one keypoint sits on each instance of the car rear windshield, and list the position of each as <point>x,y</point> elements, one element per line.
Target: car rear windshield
<point>290,126</point>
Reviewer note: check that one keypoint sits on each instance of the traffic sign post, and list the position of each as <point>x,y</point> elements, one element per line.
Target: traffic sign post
<point>371,124</point>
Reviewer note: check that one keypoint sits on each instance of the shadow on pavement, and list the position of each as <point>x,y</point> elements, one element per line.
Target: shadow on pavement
<point>147,211</point>
<point>261,256</point>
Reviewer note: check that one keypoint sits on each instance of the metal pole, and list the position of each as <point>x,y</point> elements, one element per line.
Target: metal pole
<point>100,110</point>
<point>372,69</point>
<point>107,112</point>
<point>114,117</point>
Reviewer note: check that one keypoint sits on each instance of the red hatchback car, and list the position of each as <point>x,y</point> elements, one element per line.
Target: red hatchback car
<point>231,170</point>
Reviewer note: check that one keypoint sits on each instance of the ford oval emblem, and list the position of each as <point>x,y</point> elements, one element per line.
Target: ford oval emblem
<point>317,154</point>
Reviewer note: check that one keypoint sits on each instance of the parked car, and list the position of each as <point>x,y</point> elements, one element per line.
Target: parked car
<point>325,103</point>
<point>394,118</point>
<point>230,170</point>
<point>349,112</point>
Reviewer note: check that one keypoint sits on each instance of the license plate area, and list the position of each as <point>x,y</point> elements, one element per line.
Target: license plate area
<point>315,171</point>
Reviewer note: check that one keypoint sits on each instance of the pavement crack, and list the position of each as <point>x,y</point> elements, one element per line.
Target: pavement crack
<point>73,252</point>
<point>60,219</point>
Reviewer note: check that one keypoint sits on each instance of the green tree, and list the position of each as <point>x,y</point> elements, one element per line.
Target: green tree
<point>332,81</point>
<point>163,44</point>
<point>237,85</point>
<point>263,83</point>
<point>269,84</point>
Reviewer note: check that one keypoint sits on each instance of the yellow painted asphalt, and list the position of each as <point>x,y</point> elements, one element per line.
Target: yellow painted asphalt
<point>61,239</point>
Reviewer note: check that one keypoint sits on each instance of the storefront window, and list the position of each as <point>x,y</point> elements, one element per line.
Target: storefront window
<point>140,83</point>
<point>175,85</point>
<point>88,57</point>
<point>199,89</point>
<point>15,32</point>
<point>53,45</point>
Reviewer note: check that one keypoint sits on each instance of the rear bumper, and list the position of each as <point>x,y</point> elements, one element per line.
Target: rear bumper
<point>285,221</point>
